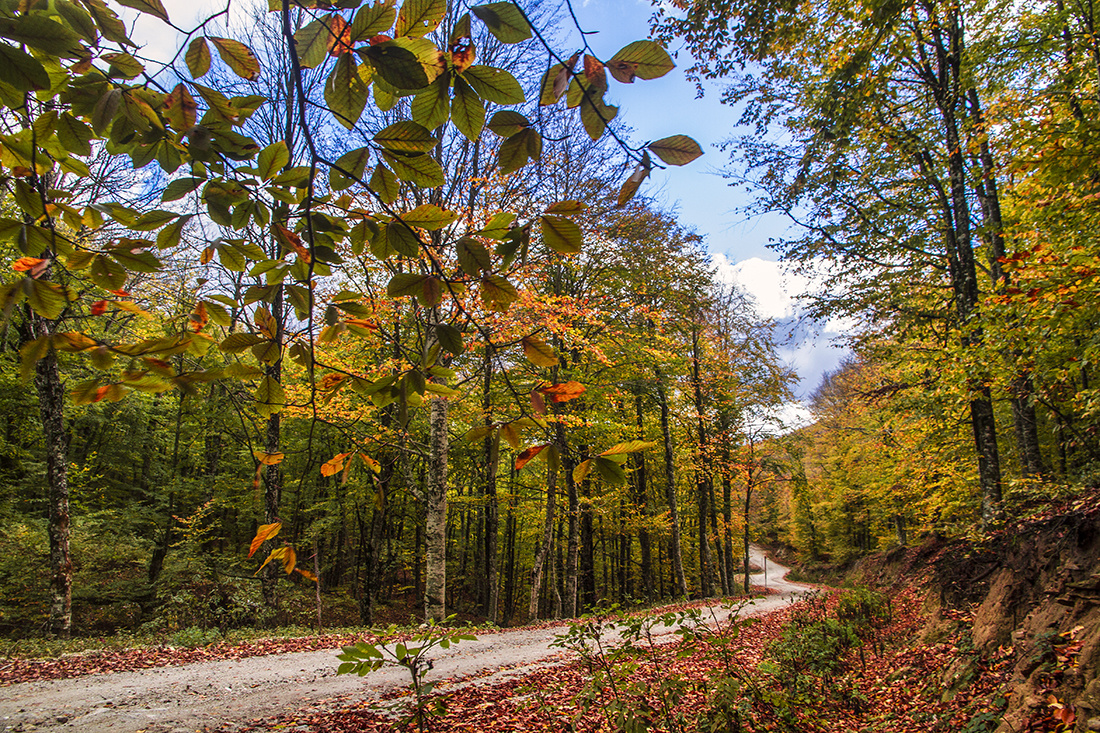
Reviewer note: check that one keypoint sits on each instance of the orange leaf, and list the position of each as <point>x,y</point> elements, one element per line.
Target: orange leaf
<point>528,454</point>
<point>290,559</point>
<point>339,39</point>
<point>563,392</point>
<point>306,574</point>
<point>99,307</point>
<point>263,533</point>
<point>199,318</point>
<point>291,241</point>
<point>26,263</point>
<point>334,465</point>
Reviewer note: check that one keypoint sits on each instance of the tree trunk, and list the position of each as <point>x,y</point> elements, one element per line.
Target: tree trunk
<point>1024,420</point>
<point>641,492</point>
<point>702,475</point>
<point>51,403</point>
<point>492,460</point>
<point>670,490</point>
<point>547,535</point>
<point>435,522</point>
<point>964,270</point>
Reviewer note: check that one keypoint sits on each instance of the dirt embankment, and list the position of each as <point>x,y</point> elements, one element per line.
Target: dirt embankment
<point>1030,593</point>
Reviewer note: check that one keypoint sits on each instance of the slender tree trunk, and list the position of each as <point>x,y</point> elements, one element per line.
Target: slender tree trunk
<point>572,556</point>
<point>587,569</point>
<point>435,523</point>
<point>492,459</point>
<point>949,97</point>
<point>670,490</point>
<point>546,540</point>
<point>748,505</point>
<point>702,475</point>
<point>51,403</point>
<point>641,493</point>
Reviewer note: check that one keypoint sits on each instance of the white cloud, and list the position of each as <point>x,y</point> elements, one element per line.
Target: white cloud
<point>773,286</point>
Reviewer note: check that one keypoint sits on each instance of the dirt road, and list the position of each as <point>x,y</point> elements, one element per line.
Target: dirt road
<point>188,697</point>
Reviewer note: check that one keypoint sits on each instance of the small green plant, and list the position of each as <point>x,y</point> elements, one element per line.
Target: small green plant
<point>193,636</point>
<point>413,656</point>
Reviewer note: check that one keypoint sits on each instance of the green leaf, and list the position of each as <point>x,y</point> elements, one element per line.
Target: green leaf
<point>354,162</point>
<point>77,19</point>
<point>610,471</point>
<point>197,57</point>
<point>180,187</point>
<point>109,24</point>
<point>123,64</point>
<point>676,150</point>
<point>47,299</point>
<point>630,446</point>
<point>105,110</point>
<point>429,216</point>
<point>506,123</point>
<point>170,235</point>
<point>473,256</point>
<point>504,20</point>
<point>237,343</point>
<point>595,114</point>
<point>467,110</point>
<point>494,85</point>
<point>561,235</point>
<point>74,134</point>
<point>497,293</point>
<point>397,65</point>
<point>421,170</point>
<point>238,57</point>
<point>384,183</point>
<point>42,34</point>
<point>450,338</point>
<point>311,42</point>
<point>346,90</point>
<point>371,20</point>
<point>21,70</point>
<point>644,59</point>
<point>402,240</point>
<point>431,106</point>
<point>406,137</point>
<point>418,18</point>
<point>270,397</point>
<point>152,7</point>
<point>272,159</point>
<point>406,284</point>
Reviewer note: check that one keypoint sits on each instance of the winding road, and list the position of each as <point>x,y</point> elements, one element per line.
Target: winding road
<point>182,698</point>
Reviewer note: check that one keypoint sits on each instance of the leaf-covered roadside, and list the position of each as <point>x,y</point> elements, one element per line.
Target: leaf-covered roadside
<point>14,670</point>
<point>896,686</point>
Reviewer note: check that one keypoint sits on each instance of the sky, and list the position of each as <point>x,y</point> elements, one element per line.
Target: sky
<point>698,192</point>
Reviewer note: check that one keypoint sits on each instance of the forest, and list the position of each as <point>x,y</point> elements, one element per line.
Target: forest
<point>351,314</point>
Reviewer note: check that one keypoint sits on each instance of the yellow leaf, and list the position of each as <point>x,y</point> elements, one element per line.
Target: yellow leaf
<point>268,459</point>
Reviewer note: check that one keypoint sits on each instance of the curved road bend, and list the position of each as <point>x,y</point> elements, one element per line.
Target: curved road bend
<point>184,698</point>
